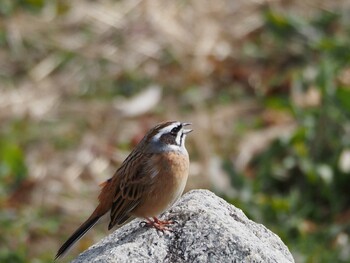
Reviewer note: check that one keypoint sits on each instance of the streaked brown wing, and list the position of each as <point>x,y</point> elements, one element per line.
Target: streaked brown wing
<point>136,175</point>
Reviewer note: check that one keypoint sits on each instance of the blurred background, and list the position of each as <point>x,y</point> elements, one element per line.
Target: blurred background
<point>266,85</point>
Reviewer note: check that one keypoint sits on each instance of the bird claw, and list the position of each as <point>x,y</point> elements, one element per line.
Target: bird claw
<point>159,225</point>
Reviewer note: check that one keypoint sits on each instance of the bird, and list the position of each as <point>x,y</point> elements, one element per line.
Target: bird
<point>148,182</point>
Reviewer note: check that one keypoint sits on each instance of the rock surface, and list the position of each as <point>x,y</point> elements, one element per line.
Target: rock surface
<point>208,229</point>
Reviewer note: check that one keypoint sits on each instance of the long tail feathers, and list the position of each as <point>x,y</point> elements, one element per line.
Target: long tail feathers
<point>79,233</point>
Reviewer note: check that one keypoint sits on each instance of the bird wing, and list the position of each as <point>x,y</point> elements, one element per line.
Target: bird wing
<point>136,175</point>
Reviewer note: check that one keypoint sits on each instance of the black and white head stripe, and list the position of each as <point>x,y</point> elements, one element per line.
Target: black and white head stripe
<point>173,134</point>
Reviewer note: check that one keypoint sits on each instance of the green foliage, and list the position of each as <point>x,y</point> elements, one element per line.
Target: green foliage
<point>12,165</point>
<point>299,188</point>
<point>343,96</point>
<point>27,226</point>
<point>11,256</point>
<point>127,84</point>
<point>8,7</point>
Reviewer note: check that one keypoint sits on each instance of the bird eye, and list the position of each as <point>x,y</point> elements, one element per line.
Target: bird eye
<point>175,130</point>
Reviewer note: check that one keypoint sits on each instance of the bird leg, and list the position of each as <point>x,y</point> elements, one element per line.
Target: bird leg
<point>161,225</point>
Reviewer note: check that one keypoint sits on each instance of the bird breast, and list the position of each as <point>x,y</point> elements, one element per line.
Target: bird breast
<point>167,185</point>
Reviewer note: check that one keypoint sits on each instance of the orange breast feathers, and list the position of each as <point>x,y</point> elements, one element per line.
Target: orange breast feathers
<point>166,186</point>
<point>172,163</point>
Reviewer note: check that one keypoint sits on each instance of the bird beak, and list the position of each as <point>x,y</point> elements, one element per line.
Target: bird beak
<point>185,131</point>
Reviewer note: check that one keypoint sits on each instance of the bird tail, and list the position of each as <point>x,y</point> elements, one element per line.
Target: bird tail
<point>79,233</point>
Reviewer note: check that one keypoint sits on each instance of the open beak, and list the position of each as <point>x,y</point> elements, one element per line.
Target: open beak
<point>185,131</point>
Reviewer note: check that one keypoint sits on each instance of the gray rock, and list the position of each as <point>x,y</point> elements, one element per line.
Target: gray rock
<point>208,229</point>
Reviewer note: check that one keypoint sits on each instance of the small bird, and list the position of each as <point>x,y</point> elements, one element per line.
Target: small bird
<point>149,181</point>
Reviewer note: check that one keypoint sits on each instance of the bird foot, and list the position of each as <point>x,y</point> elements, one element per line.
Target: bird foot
<point>160,225</point>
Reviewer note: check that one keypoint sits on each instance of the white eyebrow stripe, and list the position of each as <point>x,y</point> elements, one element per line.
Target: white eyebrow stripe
<point>165,130</point>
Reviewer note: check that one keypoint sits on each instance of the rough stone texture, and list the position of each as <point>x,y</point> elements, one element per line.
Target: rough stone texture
<point>208,229</point>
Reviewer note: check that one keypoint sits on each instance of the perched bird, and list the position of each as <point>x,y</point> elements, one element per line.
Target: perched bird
<point>149,181</point>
